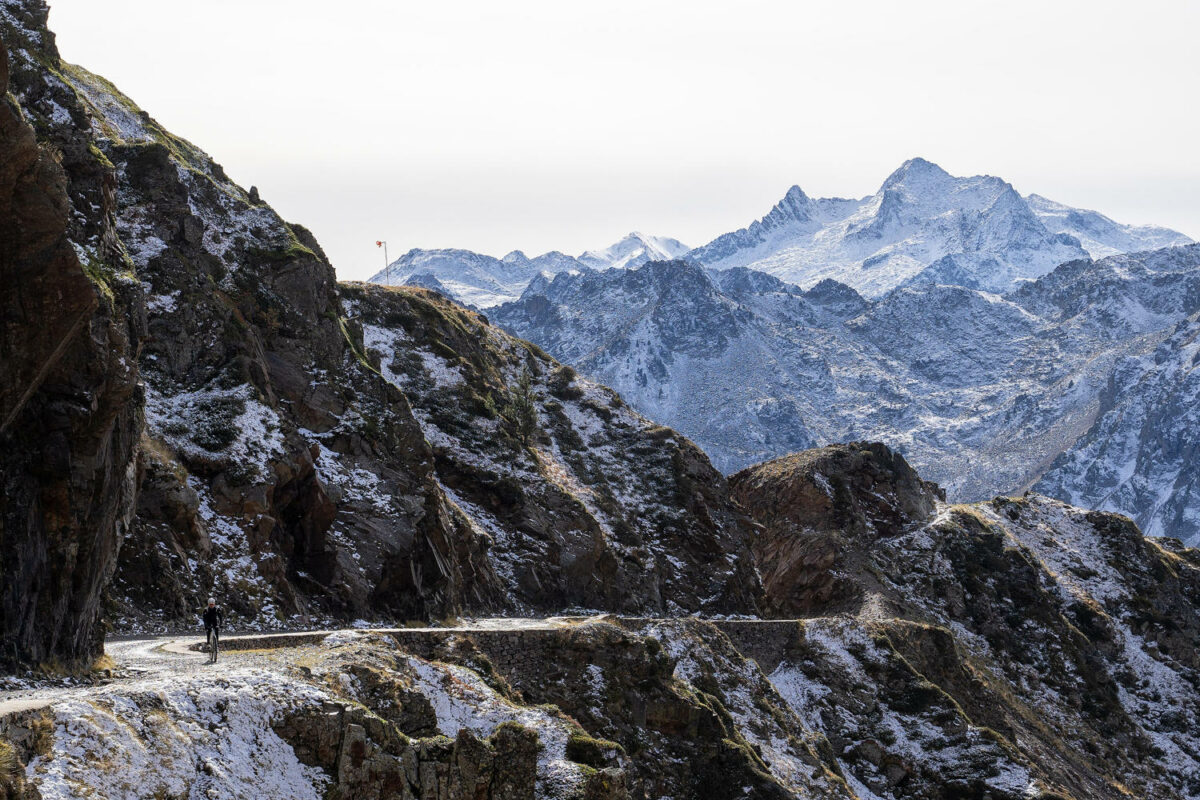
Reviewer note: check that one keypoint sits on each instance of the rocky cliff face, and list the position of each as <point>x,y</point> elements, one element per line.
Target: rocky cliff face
<point>71,319</point>
<point>588,505</point>
<point>245,349</point>
<point>281,465</point>
<point>1015,613</point>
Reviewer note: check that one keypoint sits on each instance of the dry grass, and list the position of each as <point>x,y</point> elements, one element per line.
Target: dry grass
<point>964,512</point>
<point>42,728</point>
<point>10,765</point>
<point>163,453</point>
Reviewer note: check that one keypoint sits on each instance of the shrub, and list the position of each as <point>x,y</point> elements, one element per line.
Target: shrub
<point>521,409</point>
<point>584,749</point>
<point>562,384</point>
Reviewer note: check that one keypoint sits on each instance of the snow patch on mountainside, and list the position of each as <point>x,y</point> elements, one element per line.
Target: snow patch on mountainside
<point>217,424</point>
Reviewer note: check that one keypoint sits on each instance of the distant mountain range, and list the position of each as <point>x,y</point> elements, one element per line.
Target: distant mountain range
<point>925,226</point>
<point>1081,383</point>
<point>483,281</point>
<point>954,318</point>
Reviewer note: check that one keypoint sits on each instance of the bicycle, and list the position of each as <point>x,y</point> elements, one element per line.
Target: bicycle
<point>214,644</point>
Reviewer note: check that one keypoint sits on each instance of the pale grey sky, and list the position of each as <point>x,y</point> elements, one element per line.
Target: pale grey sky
<point>564,125</point>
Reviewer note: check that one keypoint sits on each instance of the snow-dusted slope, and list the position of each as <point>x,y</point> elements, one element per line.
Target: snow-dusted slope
<point>923,226</point>
<point>981,391</point>
<point>1098,234</point>
<point>1142,455</point>
<point>482,281</point>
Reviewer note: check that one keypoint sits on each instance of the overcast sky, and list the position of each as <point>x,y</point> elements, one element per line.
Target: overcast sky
<point>564,125</point>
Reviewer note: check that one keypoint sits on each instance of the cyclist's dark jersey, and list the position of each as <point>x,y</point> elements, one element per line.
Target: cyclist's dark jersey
<point>212,618</point>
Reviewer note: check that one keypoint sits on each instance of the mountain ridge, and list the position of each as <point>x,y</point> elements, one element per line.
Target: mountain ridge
<point>482,281</point>
<point>922,225</point>
<point>982,391</point>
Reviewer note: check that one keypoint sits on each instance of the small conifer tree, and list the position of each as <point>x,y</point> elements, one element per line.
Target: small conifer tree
<point>522,407</point>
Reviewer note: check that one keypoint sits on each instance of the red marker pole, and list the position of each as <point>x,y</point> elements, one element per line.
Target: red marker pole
<point>387,265</point>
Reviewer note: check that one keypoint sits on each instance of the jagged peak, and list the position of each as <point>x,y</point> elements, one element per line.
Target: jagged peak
<point>795,193</point>
<point>538,285</point>
<point>794,205</point>
<point>637,236</point>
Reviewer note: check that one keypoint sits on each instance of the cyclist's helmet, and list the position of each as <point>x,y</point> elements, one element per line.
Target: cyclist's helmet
<point>211,602</point>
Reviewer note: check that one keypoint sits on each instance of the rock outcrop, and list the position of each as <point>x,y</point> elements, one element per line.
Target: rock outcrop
<point>70,404</point>
<point>351,718</point>
<point>589,506</point>
<point>824,512</point>
<point>368,758</point>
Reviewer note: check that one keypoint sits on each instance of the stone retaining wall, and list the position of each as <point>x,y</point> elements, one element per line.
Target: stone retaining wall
<point>766,641</point>
<point>522,651</point>
<point>516,651</point>
<point>264,641</point>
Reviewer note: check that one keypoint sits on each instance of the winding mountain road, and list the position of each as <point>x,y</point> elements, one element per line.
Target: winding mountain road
<point>176,655</point>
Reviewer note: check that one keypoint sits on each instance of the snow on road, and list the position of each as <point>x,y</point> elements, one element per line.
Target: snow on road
<point>172,656</point>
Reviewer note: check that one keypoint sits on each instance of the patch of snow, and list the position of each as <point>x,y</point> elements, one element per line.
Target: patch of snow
<point>461,699</point>
<point>179,737</point>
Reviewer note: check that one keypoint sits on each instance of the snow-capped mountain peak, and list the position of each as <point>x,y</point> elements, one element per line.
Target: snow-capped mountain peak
<point>795,204</point>
<point>916,174</point>
<point>483,281</point>
<point>634,250</point>
<point>923,226</point>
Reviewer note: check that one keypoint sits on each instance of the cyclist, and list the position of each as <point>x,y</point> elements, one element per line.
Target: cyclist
<point>212,626</point>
